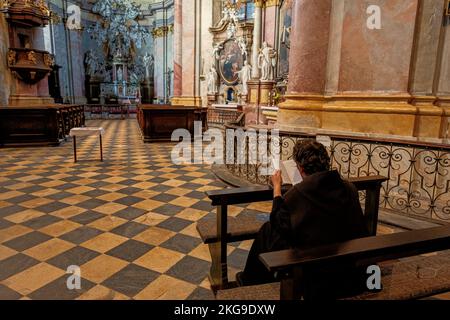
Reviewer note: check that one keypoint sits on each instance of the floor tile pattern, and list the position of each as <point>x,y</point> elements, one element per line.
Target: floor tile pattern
<point>128,223</point>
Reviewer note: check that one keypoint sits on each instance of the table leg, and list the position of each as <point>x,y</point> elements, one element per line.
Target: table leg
<point>75,148</point>
<point>101,149</point>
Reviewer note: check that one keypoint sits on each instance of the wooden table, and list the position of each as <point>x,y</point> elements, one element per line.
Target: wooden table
<point>83,132</point>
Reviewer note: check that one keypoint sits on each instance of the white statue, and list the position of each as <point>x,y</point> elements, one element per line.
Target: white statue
<point>231,31</point>
<point>212,79</point>
<point>244,75</point>
<point>216,51</point>
<point>119,74</point>
<point>149,62</point>
<point>91,63</point>
<point>242,46</point>
<point>228,15</point>
<point>134,78</point>
<point>267,61</point>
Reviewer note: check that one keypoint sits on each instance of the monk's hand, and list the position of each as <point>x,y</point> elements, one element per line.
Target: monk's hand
<point>276,182</point>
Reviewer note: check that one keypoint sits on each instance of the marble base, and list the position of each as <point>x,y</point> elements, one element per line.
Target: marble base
<point>259,92</point>
<point>266,88</point>
<point>253,92</point>
<point>19,100</point>
<point>386,115</point>
<point>187,101</point>
<point>212,99</point>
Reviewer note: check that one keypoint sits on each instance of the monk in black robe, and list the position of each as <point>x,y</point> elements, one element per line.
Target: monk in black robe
<point>322,209</point>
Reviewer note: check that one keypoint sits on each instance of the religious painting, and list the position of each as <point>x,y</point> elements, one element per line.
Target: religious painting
<point>231,61</point>
<point>284,41</point>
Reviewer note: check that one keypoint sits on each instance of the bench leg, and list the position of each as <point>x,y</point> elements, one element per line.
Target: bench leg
<point>292,288</point>
<point>372,207</point>
<point>219,268</point>
<point>75,149</point>
<point>101,149</point>
<point>218,274</point>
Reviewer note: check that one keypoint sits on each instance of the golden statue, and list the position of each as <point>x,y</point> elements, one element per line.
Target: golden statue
<point>4,4</point>
<point>49,61</point>
<point>32,57</point>
<point>12,57</point>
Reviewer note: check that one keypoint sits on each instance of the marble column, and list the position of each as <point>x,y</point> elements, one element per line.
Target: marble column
<point>209,11</point>
<point>78,76</point>
<point>308,65</point>
<point>158,44</point>
<point>370,61</point>
<point>373,75</point>
<point>251,109</point>
<point>190,55</point>
<point>442,85</point>
<point>442,80</point>
<point>271,21</point>
<point>257,34</point>
<point>309,46</point>
<point>349,75</point>
<point>177,48</point>
<point>424,68</point>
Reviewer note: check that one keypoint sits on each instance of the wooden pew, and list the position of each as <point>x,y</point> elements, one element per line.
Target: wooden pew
<point>401,278</point>
<point>217,233</point>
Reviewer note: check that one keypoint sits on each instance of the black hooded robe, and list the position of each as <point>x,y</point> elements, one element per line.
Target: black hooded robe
<point>323,209</point>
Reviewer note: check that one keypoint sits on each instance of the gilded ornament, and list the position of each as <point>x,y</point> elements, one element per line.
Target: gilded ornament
<point>31,57</point>
<point>12,57</point>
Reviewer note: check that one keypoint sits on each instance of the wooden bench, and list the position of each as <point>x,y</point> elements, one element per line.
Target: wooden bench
<point>411,278</point>
<point>217,233</point>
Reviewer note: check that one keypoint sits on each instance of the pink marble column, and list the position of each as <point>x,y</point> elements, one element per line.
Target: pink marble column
<point>377,60</point>
<point>270,27</point>
<point>309,46</point>
<point>188,50</point>
<point>188,56</point>
<point>177,48</point>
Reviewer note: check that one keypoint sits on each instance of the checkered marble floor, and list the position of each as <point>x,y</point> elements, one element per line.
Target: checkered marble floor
<point>128,223</point>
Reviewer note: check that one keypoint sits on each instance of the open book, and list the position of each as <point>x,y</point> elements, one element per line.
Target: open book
<point>289,172</point>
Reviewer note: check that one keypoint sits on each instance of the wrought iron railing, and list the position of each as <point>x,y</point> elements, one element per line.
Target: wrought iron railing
<point>419,173</point>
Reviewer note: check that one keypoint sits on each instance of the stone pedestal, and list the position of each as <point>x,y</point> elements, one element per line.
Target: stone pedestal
<point>243,98</point>
<point>147,92</point>
<point>253,92</point>
<point>258,95</point>
<point>26,100</point>
<point>444,103</point>
<point>259,92</point>
<point>212,99</point>
<point>266,88</point>
<point>270,115</point>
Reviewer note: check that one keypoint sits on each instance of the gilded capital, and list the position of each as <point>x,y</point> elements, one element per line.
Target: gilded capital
<point>259,3</point>
<point>272,3</point>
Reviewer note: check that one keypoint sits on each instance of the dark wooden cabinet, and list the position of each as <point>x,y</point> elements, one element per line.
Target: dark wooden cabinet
<point>38,125</point>
<point>158,122</point>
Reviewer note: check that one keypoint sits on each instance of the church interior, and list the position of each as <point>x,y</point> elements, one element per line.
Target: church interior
<point>97,202</point>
